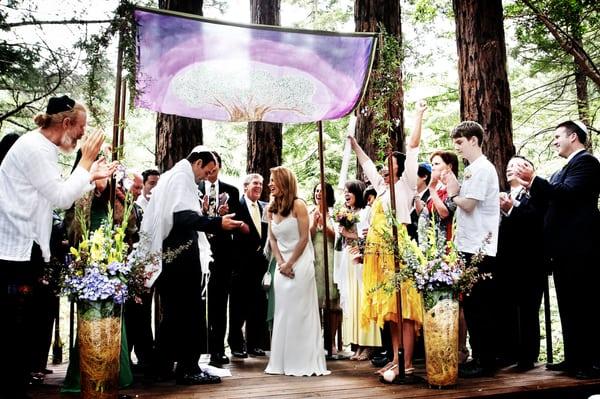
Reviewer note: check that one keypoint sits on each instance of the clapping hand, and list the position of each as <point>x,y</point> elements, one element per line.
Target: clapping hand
<point>505,202</point>
<point>525,174</point>
<point>449,178</point>
<point>101,169</point>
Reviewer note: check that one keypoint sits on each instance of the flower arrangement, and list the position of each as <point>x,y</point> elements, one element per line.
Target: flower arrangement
<point>433,266</point>
<point>101,267</point>
<point>346,218</point>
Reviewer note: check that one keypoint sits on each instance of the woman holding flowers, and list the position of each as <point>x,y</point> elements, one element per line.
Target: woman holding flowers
<point>379,304</point>
<point>352,221</point>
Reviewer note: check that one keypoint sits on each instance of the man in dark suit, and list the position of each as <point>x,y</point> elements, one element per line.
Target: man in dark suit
<point>521,274</point>
<point>248,301</point>
<point>219,198</point>
<point>571,228</point>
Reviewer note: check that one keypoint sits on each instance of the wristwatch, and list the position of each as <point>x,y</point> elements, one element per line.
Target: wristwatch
<point>451,198</point>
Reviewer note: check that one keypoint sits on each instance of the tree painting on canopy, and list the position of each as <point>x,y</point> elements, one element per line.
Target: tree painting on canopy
<point>265,139</point>
<point>177,135</point>
<point>484,90</point>
<point>237,73</point>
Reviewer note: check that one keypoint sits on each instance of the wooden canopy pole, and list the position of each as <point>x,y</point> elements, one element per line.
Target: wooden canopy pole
<point>392,188</point>
<point>325,215</point>
<point>116,118</point>
<point>123,101</point>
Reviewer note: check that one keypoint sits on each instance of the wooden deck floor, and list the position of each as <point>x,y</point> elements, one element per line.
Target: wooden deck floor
<point>349,379</point>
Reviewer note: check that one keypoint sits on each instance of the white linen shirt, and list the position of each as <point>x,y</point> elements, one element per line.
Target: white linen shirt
<point>480,182</point>
<point>406,186</point>
<point>30,187</point>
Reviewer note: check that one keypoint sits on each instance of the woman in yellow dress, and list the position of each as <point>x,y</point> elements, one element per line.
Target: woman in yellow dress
<point>379,304</point>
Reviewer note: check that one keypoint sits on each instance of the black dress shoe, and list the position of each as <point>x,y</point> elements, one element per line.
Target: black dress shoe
<point>562,366</point>
<point>256,352</point>
<point>198,379</point>
<point>524,366</point>
<point>586,374</point>
<point>379,361</point>
<point>239,354</point>
<point>219,359</point>
<point>473,369</point>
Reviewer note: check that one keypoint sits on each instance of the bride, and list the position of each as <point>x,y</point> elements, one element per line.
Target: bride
<point>296,344</point>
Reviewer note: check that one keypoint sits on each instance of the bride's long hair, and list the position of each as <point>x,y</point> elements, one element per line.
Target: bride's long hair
<point>285,181</point>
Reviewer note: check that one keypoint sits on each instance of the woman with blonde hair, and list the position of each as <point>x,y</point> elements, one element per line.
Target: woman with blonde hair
<point>296,344</point>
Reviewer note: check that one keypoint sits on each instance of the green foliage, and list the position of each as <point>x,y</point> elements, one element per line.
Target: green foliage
<point>384,85</point>
<point>300,152</point>
<point>329,15</point>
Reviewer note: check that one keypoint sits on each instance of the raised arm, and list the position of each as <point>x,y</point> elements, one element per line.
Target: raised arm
<point>415,137</point>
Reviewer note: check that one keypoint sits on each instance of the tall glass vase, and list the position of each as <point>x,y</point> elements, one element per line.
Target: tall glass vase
<point>99,334</point>
<point>440,330</point>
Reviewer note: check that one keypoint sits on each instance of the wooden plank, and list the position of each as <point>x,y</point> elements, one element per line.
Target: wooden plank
<point>349,380</point>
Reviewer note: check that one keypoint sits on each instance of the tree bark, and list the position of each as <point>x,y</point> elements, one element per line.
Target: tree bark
<point>583,109</point>
<point>484,89</point>
<point>265,141</point>
<point>367,15</point>
<point>177,135</point>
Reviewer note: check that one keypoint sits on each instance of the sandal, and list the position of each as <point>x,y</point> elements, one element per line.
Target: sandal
<point>364,355</point>
<point>385,368</point>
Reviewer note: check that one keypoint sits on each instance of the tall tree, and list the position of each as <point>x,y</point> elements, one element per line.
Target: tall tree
<point>264,138</point>
<point>484,89</point>
<point>177,135</point>
<point>560,38</point>
<point>370,16</point>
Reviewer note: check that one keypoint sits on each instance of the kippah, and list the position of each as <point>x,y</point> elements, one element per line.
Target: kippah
<point>59,104</point>
<point>200,148</point>
<point>581,126</point>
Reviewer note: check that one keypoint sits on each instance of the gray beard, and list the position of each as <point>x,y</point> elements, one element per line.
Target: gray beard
<point>67,144</point>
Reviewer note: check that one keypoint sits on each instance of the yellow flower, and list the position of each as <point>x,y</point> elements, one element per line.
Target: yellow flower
<point>74,252</point>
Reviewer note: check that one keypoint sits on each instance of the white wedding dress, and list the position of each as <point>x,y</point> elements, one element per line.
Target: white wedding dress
<point>297,343</point>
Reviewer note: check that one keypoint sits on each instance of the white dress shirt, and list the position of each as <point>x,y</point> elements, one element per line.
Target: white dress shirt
<point>406,186</point>
<point>142,202</point>
<point>30,187</point>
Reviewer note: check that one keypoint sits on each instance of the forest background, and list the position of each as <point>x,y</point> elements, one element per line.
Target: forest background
<point>50,48</point>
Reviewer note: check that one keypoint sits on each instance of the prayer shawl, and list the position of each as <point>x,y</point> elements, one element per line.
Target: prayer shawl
<point>176,191</point>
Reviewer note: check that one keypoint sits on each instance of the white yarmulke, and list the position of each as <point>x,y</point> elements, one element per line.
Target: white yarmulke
<point>582,126</point>
<point>200,148</point>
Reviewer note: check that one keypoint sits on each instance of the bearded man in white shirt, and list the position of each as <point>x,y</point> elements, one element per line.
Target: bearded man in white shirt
<point>30,187</point>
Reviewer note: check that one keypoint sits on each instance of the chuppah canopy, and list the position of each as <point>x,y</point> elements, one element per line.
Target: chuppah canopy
<point>206,69</point>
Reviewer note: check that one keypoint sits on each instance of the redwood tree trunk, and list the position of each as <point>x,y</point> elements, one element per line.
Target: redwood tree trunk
<point>177,135</point>
<point>484,90</point>
<point>264,138</point>
<point>367,15</point>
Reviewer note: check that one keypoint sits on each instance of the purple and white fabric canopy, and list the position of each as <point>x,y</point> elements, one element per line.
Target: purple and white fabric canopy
<point>199,68</point>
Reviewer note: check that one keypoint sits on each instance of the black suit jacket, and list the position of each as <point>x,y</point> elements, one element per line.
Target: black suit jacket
<point>520,237</point>
<point>572,219</point>
<point>249,247</point>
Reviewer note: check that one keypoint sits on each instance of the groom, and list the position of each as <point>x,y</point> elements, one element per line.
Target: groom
<point>248,301</point>
<point>571,226</point>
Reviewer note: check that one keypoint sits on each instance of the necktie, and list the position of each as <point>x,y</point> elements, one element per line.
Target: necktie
<point>212,200</point>
<point>256,217</point>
